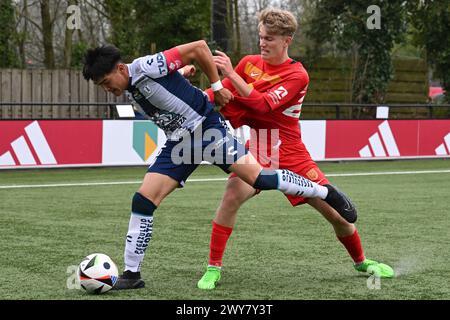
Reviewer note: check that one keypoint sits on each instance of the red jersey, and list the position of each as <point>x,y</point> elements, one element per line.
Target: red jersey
<point>283,87</point>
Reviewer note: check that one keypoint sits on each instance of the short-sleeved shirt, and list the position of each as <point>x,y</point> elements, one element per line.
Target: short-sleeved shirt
<point>166,97</point>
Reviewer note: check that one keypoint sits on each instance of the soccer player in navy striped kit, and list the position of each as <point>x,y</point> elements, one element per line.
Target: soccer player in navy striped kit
<point>191,126</point>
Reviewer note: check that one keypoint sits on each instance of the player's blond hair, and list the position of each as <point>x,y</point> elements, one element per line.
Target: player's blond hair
<point>278,22</point>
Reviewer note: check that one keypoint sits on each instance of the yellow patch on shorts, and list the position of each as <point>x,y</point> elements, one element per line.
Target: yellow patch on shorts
<point>312,174</point>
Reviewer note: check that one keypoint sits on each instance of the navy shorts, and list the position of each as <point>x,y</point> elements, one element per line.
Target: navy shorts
<point>211,141</point>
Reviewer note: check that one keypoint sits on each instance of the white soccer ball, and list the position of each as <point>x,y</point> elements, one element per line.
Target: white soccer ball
<point>97,273</point>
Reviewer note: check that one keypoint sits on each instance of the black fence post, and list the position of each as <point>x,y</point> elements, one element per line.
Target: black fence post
<point>112,114</point>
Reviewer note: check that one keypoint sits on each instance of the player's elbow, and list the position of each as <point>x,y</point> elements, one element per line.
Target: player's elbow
<point>196,50</point>
<point>193,51</point>
<point>201,44</point>
<point>201,47</point>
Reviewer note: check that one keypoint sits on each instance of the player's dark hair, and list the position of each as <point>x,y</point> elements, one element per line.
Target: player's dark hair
<point>100,61</point>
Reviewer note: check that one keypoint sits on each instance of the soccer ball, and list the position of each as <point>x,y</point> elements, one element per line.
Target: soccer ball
<point>97,273</point>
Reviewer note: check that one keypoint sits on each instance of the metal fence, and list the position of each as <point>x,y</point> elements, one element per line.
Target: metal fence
<point>310,111</point>
<point>327,111</point>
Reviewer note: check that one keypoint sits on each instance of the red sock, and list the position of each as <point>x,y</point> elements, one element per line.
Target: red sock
<point>354,247</point>
<point>219,238</point>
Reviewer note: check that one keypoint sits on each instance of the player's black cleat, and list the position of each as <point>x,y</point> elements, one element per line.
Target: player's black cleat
<point>341,203</point>
<point>129,280</point>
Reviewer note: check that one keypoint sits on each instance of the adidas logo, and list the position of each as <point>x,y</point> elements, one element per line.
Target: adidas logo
<point>444,148</point>
<point>381,144</point>
<point>22,151</point>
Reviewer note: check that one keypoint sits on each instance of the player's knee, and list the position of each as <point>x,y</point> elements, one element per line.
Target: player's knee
<point>231,201</point>
<point>141,205</point>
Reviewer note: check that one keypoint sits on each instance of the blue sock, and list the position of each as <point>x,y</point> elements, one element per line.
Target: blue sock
<point>266,180</point>
<point>142,206</point>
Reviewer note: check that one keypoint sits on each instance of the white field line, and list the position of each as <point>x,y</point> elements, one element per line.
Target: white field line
<point>85,184</point>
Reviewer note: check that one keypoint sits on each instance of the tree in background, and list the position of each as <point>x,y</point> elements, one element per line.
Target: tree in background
<point>68,41</point>
<point>170,22</point>
<point>247,13</point>
<point>123,19</point>
<point>220,25</point>
<point>234,8</point>
<point>226,27</point>
<point>430,21</point>
<point>22,32</point>
<point>343,25</point>
<point>8,56</point>
<point>95,29</point>
<point>43,39</point>
<point>47,23</point>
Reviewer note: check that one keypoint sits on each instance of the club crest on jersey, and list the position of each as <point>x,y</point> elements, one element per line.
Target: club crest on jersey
<point>147,89</point>
<point>175,65</point>
<point>312,174</point>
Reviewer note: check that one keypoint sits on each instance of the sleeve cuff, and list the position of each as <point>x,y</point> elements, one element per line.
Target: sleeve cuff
<point>173,59</point>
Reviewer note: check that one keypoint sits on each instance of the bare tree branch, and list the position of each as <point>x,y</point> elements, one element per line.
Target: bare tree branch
<point>55,13</point>
<point>31,21</point>
<point>102,13</point>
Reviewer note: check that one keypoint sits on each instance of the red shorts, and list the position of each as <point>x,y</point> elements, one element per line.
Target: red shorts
<point>305,167</point>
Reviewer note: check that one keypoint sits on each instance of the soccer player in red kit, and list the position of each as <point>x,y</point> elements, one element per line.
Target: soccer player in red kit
<point>268,94</point>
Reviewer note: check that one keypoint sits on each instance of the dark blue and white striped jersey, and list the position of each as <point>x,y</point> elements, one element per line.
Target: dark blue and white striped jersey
<point>165,96</point>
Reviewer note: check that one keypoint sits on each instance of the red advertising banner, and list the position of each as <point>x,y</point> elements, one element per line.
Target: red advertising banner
<point>49,143</point>
<point>386,138</point>
<point>434,137</point>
